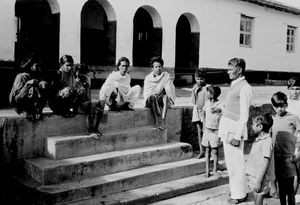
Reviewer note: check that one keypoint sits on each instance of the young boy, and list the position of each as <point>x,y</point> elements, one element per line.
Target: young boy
<point>259,170</point>
<point>198,99</point>
<point>159,92</point>
<point>285,128</point>
<point>212,115</point>
<point>293,86</point>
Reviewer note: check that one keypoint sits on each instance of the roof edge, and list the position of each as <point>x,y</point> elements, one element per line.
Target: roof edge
<point>275,5</point>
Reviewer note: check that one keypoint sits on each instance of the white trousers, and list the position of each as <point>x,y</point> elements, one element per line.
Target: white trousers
<point>235,163</point>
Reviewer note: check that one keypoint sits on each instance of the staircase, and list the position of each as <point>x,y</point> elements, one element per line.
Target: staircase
<point>132,163</point>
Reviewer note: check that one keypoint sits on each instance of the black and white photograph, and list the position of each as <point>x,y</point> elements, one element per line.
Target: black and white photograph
<point>159,102</point>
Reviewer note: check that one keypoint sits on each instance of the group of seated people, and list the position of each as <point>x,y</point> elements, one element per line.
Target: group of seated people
<point>69,92</point>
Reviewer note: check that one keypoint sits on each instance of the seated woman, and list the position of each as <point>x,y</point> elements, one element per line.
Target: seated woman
<point>116,90</point>
<point>65,96</point>
<point>94,108</point>
<point>159,92</point>
<point>28,93</point>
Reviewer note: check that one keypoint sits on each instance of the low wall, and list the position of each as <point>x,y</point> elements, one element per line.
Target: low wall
<point>22,139</point>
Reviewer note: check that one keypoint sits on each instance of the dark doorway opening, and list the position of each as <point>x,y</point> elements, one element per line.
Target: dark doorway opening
<point>37,32</point>
<point>98,36</point>
<point>147,40</point>
<point>187,45</point>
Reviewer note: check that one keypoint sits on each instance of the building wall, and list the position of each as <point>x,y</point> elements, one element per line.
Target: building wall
<point>7,30</point>
<point>219,22</point>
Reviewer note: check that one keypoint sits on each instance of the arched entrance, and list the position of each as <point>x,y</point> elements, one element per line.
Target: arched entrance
<point>147,36</point>
<point>98,33</point>
<point>187,42</point>
<point>37,31</point>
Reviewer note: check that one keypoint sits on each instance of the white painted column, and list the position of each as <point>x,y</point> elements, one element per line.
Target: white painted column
<point>8,25</point>
<point>70,23</point>
<point>168,41</point>
<point>124,38</point>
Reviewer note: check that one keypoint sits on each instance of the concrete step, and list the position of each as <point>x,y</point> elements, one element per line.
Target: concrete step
<point>61,147</point>
<point>24,139</point>
<point>122,181</point>
<point>155,193</point>
<point>47,171</point>
<point>217,195</point>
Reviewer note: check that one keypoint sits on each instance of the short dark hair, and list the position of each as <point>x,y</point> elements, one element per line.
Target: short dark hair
<point>157,59</point>
<point>200,73</point>
<point>265,120</point>
<point>293,81</point>
<point>279,99</point>
<point>123,59</point>
<point>27,63</point>
<point>66,58</point>
<point>238,62</point>
<point>215,90</point>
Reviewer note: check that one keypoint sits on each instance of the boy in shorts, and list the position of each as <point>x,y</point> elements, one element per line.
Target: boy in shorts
<point>259,169</point>
<point>212,115</point>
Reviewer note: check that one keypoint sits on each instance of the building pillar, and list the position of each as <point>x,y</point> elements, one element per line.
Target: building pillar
<point>168,45</point>
<point>70,28</point>
<point>124,38</point>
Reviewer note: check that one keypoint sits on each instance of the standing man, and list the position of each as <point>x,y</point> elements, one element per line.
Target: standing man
<point>233,128</point>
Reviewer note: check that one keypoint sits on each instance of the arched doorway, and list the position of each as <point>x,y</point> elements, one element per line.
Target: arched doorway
<point>98,33</point>
<point>38,31</point>
<point>187,42</point>
<point>147,36</point>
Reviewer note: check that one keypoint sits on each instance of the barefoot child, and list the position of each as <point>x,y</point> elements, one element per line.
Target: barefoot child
<point>285,128</point>
<point>159,92</point>
<point>212,112</point>
<point>198,99</point>
<point>259,170</point>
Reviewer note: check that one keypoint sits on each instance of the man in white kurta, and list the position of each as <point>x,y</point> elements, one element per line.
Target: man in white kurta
<point>159,91</point>
<point>118,82</point>
<point>233,128</point>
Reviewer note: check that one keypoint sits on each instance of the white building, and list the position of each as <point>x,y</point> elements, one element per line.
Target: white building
<point>186,33</point>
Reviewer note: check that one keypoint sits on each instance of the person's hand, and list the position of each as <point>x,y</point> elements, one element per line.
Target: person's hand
<point>33,82</point>
<point>293,159</point>
<point>235,142</point>
<point>43,84</point>
<point>64,93</point>
<point>80,91</point>
<point>216,110</point>
<point>195,88</point>
<point>257,187</point>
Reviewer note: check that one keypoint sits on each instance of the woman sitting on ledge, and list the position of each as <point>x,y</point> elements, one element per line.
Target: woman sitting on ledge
<point>28,93</point>
<point>116,90</point>
<point>66,95</point>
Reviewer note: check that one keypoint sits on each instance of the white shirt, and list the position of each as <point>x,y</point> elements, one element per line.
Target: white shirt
<point>238,129</point>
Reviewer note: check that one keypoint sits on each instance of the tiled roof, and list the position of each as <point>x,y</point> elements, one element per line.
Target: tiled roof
<point>277,5</point>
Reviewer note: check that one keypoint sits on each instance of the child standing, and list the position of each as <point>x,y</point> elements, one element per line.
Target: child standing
<point>259,170</point>
<point>94,108</point>
<point>212,115</point>
<point>293,86</point>
<point>285,128</point>
<point>198,99</point>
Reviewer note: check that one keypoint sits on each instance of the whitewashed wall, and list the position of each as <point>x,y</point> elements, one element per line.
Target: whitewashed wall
<point>7,30</point>
<point>219,22</point>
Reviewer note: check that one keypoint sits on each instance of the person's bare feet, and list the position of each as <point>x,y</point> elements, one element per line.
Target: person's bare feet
<point>207,174</point>
<point>216,174</point>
